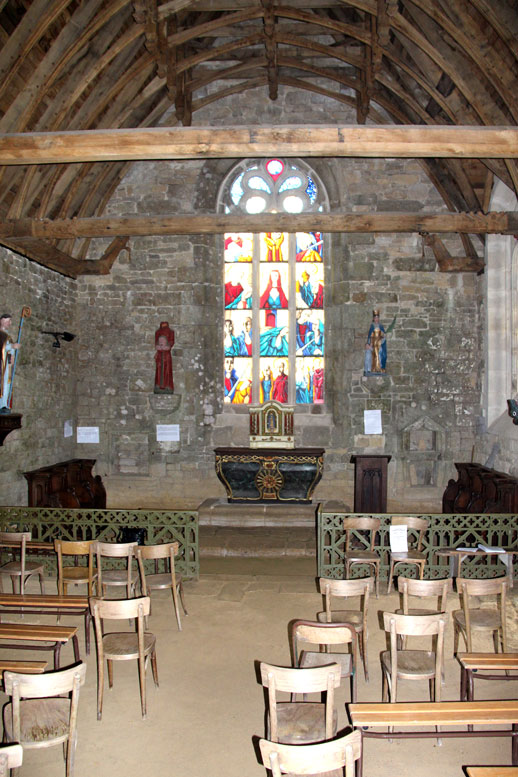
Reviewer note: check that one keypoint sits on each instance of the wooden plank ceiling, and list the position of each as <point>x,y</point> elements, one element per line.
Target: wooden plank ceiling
<point>67,65</point>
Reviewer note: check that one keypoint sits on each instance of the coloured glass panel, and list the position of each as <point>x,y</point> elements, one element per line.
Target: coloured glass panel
<point>239,247</point>
<point>274,287</point>
<point>274,333</point>
<point>273,247</point>
<point>310,285</point>
<point>238,380</point>
<point>309,330</point>
<point>309,247</point>
<point>238,286</point>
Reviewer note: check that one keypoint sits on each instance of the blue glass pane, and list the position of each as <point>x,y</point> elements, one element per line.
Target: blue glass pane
<point>236,191</point>
<point>311,190</point>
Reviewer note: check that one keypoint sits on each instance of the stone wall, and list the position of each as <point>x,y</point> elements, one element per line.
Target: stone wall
<point>44,389</point>
<point>430,397</point>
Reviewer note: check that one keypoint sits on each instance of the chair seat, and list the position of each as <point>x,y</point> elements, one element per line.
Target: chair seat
<point>14,568</point>
<point>362,556</point>
<point>418,611</point>
<point>354,617</point>
<point>41,721</point>
<point>77,574</point>
<point>409,555</point>
<point>124,644</point>
<point>484,619</point>
<point>161,580</point>
<point>302,722</point>
<point>411,663</point>
<point>309,658</point>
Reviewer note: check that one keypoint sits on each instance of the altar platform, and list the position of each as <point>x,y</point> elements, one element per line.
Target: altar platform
<point>220,512</point>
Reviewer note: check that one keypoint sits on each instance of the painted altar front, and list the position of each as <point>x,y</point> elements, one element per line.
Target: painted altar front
<point>269,474</point>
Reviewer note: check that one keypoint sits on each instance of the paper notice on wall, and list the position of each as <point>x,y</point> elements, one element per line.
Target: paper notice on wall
<point>68,429</point>
<point>399,539</point>
<point>372,421</point>
<point>168,432</point>
<point>88,434</point>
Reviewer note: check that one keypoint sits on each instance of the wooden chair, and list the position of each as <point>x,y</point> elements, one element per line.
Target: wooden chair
<point>366,528</point>
<point>21,569</point>
<point>326,758</point>
<point>401,664</point>
<point>78,574</point>
<point>300,722</point>
<point>480,619</point>
<point>127,577</point>
<point>11,756</point>
<point>123,645</point>
<point>347,589</point>
<point>437,590</point>
<point>166,579</point>
<point>38,715</point>
<point>414,555</point>
<point>325,635</point>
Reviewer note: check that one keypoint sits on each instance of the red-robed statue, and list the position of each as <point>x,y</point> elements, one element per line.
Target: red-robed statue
<point>164,341</point>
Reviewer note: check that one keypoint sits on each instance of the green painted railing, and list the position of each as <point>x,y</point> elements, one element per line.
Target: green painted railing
<point>444,531</point>
<point>49,523</point>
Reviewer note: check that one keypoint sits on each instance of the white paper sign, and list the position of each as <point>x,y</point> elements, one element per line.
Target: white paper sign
<point>88,434</point>
<point>372,421</point>
<point>168,432</point>
<point>399,539</point>
<point>68,429</point>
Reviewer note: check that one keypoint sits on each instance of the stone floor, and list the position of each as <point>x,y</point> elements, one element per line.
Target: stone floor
<point>209,706</point>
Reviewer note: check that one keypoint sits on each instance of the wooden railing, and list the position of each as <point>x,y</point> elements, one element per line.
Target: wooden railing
<point>48,523</point>
<point>444,531</point>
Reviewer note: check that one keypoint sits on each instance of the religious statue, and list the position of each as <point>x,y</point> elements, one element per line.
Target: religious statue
<point>164,341</point>
<point>375,360</point>
<point>8,349</point>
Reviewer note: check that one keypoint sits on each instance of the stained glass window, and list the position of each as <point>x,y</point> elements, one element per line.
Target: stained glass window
<point>274,321</point>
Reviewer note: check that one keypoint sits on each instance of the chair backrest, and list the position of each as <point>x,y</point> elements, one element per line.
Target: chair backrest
<point>74,547</point>
<point>416,625</point>
<point>412,522</point>
<point>119,609</point>
<point>369,525</point>
<point>312,759</point>
<point>322,634</point>
<point>318,679</point>
<point>360,587</point>
<point>11,756</point>
<point>114,550</point>
<point>167,550</point>
<point>41,686</point>
<point>492,586</point>
<point>410,586</point>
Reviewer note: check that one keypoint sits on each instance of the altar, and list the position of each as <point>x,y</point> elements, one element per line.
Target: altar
<point>269,474</point>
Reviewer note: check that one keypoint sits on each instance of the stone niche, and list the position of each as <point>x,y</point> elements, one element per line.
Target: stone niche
<point>422,448</point>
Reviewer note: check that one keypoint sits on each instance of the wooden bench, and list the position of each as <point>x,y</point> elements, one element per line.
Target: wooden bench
<point>49,604</point>
<point>26,632</point>
<point>443,713</point>
<point>492,771</point>
<point>473,663</point>
<point>27,667</point>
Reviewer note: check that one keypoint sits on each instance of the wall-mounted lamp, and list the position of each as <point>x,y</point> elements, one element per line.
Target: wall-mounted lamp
<point>512,404</point>
<point>66,336</point>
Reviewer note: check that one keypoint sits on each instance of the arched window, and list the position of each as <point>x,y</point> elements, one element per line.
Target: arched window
<point>274,331</point>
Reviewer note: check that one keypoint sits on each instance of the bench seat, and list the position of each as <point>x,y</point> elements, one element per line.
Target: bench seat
<point>40,633</point>
<point>49,604</point>
<point>27,667</point>
<point>473,664</point>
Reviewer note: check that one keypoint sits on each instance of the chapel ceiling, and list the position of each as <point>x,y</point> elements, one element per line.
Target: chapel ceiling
<point>98,64</point>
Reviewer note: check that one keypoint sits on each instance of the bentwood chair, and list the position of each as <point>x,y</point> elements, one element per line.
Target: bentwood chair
<point>76,574</point>
<point>11,756</point>
<point>126,577</point>
<point>359,589</point>
<point>39,715</point>
<point>138,645</point>
<point>159,580</point>
<point>329,759</point>
<point>479,619</point>
<point>364,530</point>
<point>300,722</point>
<point>324,636</point>
<point>402,664</point>
<point>437,590</point>
<point>21,569</point>
<point>414,555</point>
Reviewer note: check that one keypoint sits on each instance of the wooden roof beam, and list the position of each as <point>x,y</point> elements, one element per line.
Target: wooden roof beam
<point>270,47</point>
<point>409,141</point>
<point>187,224</point>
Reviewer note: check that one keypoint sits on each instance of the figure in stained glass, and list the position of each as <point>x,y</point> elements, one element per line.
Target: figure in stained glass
<point>273,244</point>
<point>309,247</point>
<point>273,296</point>
<point>310,287</point>
<point>238,286</point>
<point>238,247</point>
<point>280,384</point>
<point>310,333</point>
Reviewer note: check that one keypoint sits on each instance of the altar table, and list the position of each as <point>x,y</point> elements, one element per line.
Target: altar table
<point>269,474</point>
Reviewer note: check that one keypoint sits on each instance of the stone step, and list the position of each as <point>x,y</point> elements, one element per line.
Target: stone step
<point>264,542</point>
<point>219,512</point>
